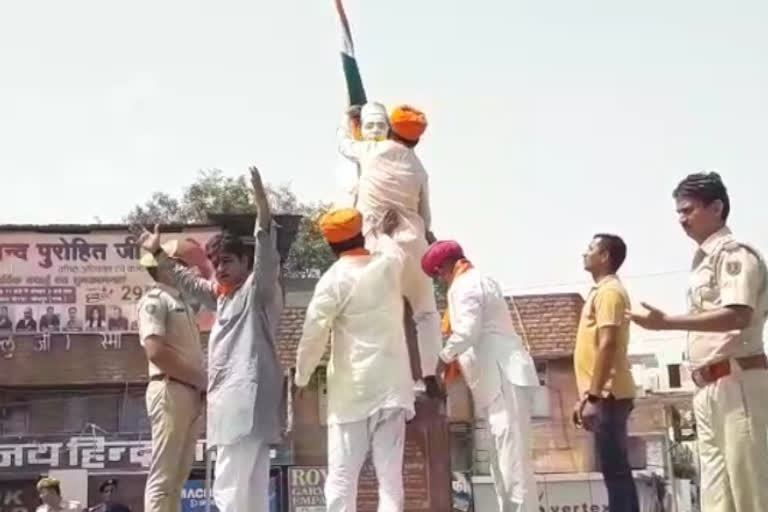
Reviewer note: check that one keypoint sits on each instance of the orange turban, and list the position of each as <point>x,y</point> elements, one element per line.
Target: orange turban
<point>341,225</point>
<point>408,123</point>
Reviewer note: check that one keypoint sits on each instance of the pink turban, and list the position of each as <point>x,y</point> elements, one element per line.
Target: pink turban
<point>438,253</point>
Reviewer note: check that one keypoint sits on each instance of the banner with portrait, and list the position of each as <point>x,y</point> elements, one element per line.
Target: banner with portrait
<point>82,282</point>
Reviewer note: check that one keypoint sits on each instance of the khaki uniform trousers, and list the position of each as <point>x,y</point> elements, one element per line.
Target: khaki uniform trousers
<point>175,414</point>
<point>732,427</point>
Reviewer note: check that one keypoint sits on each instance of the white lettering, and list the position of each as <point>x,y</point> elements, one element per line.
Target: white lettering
<point>12,498</point>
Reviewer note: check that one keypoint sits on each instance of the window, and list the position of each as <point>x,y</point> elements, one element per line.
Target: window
<point>13,420</point>
<point>541,405</point>
<point>133,414</point>
<point>673,370</point>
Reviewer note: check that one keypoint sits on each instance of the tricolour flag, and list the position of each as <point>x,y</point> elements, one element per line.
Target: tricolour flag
<point>349,63</point>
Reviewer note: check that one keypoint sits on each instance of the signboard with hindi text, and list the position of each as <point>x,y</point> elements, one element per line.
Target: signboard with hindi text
<point>41,454</point>
<point>82,282</point>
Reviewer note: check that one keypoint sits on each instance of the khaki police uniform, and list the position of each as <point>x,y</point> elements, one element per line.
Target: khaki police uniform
<point>730,372</point>
<point>174,408</point>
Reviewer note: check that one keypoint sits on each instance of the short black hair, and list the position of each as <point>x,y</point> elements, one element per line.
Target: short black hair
<point>616,248</point>
<point>230,243</point>
<point>358,242</point>
<point>705,187</point>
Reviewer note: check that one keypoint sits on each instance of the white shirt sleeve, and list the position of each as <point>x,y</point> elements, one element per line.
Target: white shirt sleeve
<point>466,311</point>
<point>321,313</point>
<point>348,145</point>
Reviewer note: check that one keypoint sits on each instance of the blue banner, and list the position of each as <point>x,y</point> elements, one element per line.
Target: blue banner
<point>194,497</point>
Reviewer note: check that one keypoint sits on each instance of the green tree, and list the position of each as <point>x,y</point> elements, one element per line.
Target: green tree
<point>214,192</point>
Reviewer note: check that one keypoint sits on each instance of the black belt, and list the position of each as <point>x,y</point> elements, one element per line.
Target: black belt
<point>164,377</point>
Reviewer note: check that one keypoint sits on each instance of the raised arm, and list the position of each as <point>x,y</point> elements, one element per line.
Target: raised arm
<point>349,146</point>
<point>179,277</point>
<point>263,214</point>
<point>266,259</point>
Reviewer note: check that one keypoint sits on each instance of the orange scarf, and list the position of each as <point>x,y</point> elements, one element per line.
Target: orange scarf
<point>453,369</point>
<point>224,290</point>
<point>355,252</point>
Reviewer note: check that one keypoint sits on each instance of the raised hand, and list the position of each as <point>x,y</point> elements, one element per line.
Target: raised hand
<point>147,240</point>
<point>353,112</point>
<point>256,182</point>
<point>653,318</point>
<point>390,222</point>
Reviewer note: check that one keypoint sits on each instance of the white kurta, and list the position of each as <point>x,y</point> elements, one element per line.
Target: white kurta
<point>393,178</point>
<point>358,304</point>
<point>500,373</point>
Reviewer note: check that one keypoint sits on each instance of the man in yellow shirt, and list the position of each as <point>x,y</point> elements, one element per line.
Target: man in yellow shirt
<point>602,369</point>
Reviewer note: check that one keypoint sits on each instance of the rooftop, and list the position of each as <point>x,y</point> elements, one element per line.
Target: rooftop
<point>547,323</point>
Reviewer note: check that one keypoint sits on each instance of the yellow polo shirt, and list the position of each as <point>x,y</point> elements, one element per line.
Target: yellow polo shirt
<point>607,304</point>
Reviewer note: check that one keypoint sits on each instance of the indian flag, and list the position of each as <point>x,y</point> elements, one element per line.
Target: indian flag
<point>349,63</point>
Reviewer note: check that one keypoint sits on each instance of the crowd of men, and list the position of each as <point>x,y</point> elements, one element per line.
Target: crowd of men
<point>386,251</point>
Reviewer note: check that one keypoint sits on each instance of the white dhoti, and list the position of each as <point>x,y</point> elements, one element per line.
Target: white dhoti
<point>242,476</point>
<point>348,445</point>
<point>509,421</point>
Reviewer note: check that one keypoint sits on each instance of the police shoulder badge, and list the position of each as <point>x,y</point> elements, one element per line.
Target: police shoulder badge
<point>733,267</point>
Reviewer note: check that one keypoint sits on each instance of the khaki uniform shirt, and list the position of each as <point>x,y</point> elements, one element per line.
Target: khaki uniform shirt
<point>162,312</point>
<point>727,273</point>
<point>606,305</point>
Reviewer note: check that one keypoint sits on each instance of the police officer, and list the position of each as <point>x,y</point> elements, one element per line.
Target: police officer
<point>168,332</point>
<point>727,304</point>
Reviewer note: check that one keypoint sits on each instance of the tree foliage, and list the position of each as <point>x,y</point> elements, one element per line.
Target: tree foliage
<point>214,192</point>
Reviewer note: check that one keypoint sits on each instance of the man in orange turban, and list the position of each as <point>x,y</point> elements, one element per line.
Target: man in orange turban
<point>393,178</point>
<point>358,305</point>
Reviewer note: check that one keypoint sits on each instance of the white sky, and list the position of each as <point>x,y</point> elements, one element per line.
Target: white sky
<point>549,120</point>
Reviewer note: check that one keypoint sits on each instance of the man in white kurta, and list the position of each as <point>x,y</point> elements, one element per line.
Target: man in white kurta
<point>358,303</point>
<point>496,366</point>
<point>393,178</point>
